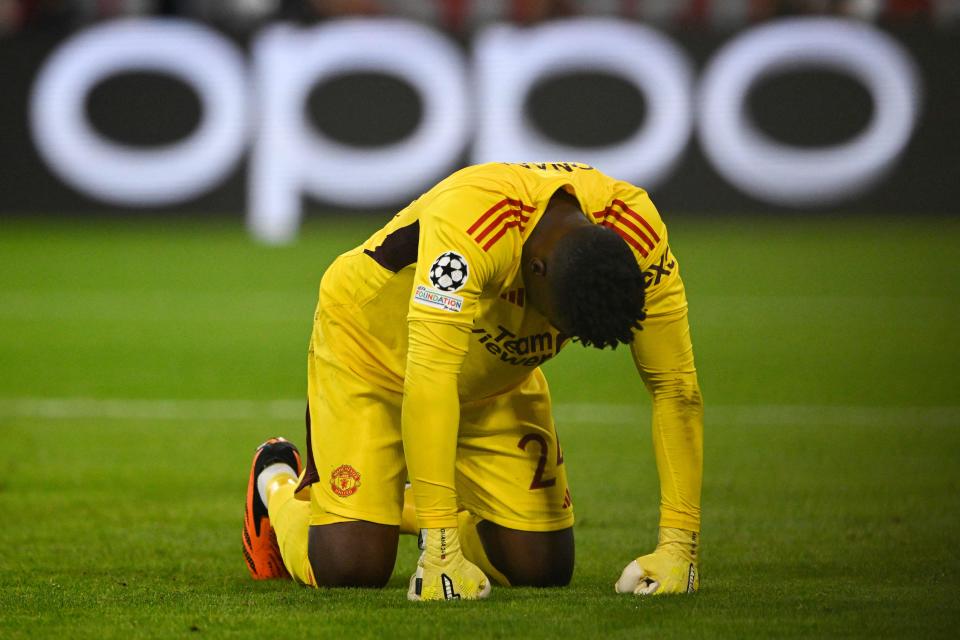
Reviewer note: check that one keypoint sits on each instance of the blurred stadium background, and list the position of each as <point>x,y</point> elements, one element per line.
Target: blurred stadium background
<point>175,176</point>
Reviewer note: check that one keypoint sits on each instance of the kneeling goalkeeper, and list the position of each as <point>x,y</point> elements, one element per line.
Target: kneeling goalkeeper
<point>424,364</point>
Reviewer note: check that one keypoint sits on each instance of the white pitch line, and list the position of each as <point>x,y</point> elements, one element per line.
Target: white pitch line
<point>150,409</point>
<point>565,413</point>
<point>772,415</point>
<point>840,415</point>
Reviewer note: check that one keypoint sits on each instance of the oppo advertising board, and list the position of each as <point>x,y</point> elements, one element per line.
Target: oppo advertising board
<point>472,108</point>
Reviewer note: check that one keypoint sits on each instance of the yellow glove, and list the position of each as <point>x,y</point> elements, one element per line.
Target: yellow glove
<point>671,568</point>
<point>443,573</point>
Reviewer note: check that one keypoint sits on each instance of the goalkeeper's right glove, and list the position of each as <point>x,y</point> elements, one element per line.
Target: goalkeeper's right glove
<point>671,568</point>
<point>443,573</point>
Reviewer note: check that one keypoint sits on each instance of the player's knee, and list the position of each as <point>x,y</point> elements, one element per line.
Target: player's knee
<point>529,558</point>
<point>353,572</point>
<point>542,574</point>
<point>353,554</point>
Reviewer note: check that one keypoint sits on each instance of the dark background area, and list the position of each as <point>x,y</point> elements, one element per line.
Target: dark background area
<point>804,108</point>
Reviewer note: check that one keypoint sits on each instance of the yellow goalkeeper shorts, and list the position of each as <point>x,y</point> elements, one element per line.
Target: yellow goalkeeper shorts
<point>509,467</point>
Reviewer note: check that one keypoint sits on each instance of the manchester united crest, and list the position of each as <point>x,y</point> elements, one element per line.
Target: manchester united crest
<point>345,480</point>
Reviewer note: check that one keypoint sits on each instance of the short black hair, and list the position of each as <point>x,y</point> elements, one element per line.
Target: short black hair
<point>597,287</point>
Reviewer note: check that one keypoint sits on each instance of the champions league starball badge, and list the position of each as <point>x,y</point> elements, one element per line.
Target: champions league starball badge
<point>449,272</point>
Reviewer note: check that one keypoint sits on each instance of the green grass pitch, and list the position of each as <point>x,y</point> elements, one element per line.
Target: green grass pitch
<point>142,361</point>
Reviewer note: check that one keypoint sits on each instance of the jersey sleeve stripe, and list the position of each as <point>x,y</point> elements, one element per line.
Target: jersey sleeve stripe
<point>617,219</point>
<point>640,219</point>
<point>519,203</point>
<point>489,212</point>
<point>630,240</point>
<point>499,234</point>
<point>515,214</point>
<point>609,217</point>
<point>620,224</point>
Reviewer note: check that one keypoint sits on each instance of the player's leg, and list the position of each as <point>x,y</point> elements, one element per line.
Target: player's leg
<point>533,558</point>
<point>512,483</point>
<point>343,530</point>
<point>276,464</point>
<point>355,471</point>
<point>520,558</point>
<point>353,554</point>
<point>530,558</point>
<point>289,513</point>
<point>350,554</point>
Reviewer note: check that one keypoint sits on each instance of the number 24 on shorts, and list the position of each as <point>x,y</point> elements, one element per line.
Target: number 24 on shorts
<point>539,482</point>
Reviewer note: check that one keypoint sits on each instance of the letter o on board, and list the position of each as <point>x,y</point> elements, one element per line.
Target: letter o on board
<point>127,175</point>
<point>510,60</point>
<point>291,158</point>
<point>787,175</point>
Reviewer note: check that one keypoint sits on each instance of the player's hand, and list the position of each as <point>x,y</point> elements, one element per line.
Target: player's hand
<point>671,568</point>
<point>443,573</point>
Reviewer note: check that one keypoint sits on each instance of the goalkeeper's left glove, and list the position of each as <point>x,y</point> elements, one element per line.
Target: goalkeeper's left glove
<point>671,568</point>
<point>443,573</point>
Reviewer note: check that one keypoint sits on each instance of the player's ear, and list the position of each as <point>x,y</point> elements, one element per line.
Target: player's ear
<point>538,267</point>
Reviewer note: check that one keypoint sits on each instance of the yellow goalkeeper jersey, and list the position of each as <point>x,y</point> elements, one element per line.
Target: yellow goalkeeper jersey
<point>433,306</point>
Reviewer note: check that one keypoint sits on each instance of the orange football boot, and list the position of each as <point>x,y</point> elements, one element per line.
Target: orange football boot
<point>260,548</point>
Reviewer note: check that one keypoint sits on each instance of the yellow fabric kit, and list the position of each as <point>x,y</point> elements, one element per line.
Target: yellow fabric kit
<point>424,359</point>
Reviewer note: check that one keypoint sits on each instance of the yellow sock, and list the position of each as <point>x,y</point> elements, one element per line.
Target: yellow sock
<point>473,547</point>
<point>408,517</point>
<point>291,522</point>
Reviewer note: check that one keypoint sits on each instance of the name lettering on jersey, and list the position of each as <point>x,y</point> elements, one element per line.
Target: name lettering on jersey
<point>629,225</point>
<point>526,351</point>
<point>514,297</point>
<point>495,221</point>
<point>437,299</point>
<point>569,167</point>
<point>659,270</point>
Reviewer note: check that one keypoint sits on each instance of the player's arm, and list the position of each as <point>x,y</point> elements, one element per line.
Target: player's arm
<point>431,413</point>
<point>439,323</point>
<point>663,354</point>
